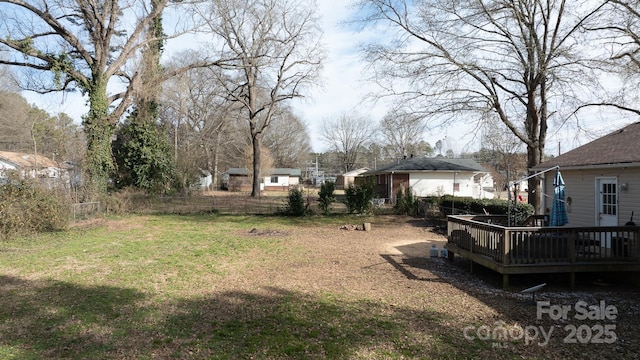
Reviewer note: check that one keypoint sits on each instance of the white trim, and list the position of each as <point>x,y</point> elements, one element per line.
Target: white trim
<point>598,180</point>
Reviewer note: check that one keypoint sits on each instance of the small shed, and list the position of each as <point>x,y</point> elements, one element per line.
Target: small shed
<point>236,179</point>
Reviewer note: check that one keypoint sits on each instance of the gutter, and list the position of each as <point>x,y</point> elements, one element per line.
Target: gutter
<point>593,167</point>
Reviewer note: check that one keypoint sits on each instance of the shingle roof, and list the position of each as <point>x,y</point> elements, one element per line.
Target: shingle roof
<point>25,160</point>
<point>619,147</point>
<point>285,171</point>
<point>276,171</point>
<point>238,171</point>
<point>422,163</point>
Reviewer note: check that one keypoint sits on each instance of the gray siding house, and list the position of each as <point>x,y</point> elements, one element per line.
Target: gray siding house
<point>602,179</point>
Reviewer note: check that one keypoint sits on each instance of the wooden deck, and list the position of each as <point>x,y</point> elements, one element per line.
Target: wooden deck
<point>485,240</point>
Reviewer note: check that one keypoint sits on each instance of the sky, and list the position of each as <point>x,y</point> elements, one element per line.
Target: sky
<point>344,91</point>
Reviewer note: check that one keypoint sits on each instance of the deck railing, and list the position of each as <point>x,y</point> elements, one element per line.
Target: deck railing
<point>487,236</point>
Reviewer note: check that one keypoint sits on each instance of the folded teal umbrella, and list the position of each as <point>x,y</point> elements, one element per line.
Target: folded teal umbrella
<point>558,208</point>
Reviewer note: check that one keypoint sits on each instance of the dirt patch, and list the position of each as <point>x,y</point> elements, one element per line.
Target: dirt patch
<point>266,232</point>
<point>390,271</point>
<point>391,264</point>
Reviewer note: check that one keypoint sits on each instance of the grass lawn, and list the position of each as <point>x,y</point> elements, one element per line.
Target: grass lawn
<point>162,287</point>
<point>260,287</point>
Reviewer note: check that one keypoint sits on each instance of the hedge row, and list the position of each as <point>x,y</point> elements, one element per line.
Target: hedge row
<point>465,205</point>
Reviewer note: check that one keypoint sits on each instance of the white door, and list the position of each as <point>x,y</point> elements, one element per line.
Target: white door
<point>607,205</point>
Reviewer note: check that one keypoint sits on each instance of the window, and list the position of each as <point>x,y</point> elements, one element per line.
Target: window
<point>274,179</point>
<point>456,186</point>
<point>609,199</point>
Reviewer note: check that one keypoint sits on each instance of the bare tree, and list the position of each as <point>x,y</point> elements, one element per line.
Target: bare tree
<point>26,128</point>
<point>403,132</point>
<point>7,79</point>
<point>287,139</point>
<point>88,46</point>
<point>67,142</point>
<point>348,135</point>
<point>625,26</point>
<point>619,33</point>
<point>14,122</point>
<point>517,62</point>
<point>276,52</point>
<point>503,153</point>
<point>202,122</point>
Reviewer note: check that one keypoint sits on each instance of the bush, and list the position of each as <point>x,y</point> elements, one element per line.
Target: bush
<point>406,202</point>
<point>326,196</point>
<point>359,198</point>
<point>465,205</point>
<point>295,203</point>
<point>26,207</point>
<point>124,200</point>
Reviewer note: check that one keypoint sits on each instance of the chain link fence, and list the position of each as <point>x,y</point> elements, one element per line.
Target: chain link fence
<point>83,211</point>
<point>236,204</point>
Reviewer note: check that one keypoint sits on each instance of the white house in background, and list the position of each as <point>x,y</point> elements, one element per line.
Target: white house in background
<point>238,179</point>
<point>432,177</point>
<point>281,178</point>
<point>32,166</point>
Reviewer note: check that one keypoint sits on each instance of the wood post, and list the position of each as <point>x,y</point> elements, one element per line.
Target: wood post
<point>505,281</point>
<point>572,280</point>
<point>506,247</point>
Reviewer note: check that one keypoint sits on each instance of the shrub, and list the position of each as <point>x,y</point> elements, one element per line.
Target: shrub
<point>144,157</point>
<point>359,198</point>
<point>406,202</point>
<point>125,200</point>
<point>468,205</point>
<point>326,196</point>
<point>26,207</point>
<point>295,203</point>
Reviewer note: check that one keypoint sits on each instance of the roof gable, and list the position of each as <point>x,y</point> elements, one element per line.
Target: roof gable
<point>617,147</point>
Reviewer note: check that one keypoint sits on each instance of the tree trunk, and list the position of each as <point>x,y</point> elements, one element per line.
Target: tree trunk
<point>535,189</point>
<point>216,157</point>
<point>99,130</point>
<point>256,142</point>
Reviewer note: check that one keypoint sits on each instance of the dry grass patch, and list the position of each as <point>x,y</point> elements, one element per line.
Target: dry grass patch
<point>223,287</point>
